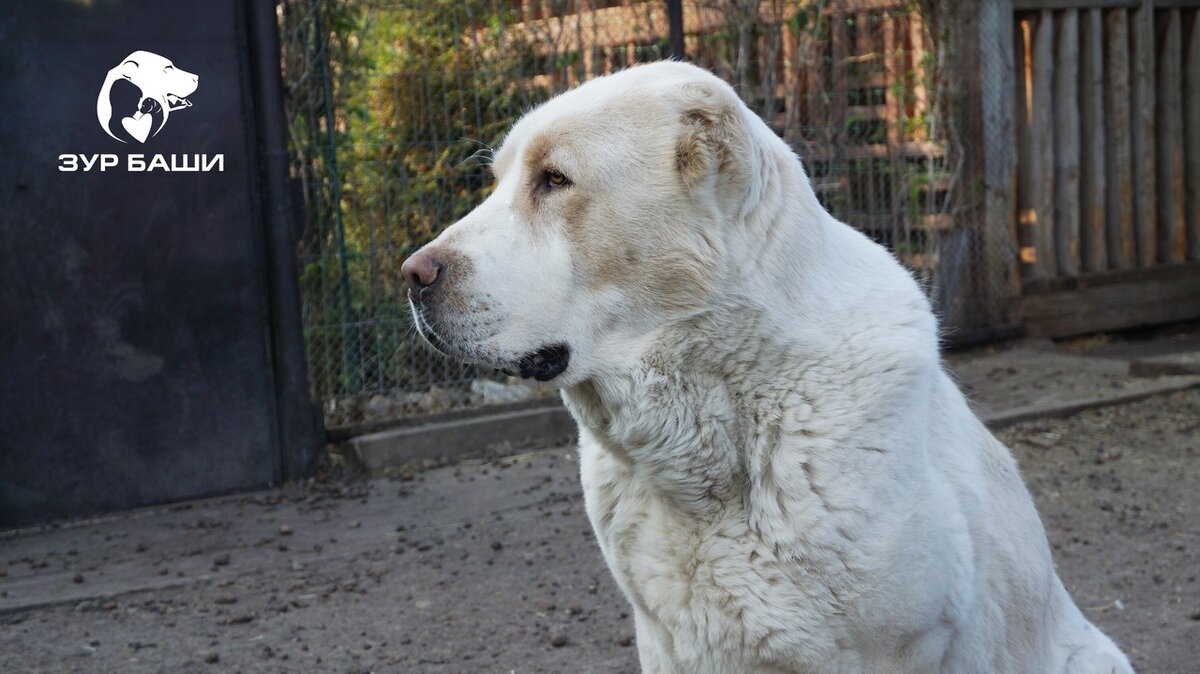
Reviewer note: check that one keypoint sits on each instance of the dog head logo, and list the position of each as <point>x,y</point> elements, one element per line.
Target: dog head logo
<point>140,94</point>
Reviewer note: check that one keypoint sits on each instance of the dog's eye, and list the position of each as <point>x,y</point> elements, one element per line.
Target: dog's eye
<point>554,179</point>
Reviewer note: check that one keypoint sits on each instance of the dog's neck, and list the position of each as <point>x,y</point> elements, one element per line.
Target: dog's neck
<point>685,414</point>
<point>686,408</point>
<point>684,405</point>
<point>700,414</point>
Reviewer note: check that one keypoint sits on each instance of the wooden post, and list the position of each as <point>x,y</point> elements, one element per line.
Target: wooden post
<point>1191,131</point>
<point>1066,143</point>
<point>861,54</point>
<point>1144,191</point>
<point>1091,162</point>
<point>1171,227</point>
<point>1023,95</point>
<point>791,85</point>
<point>893,78</point>
<point>838,97</point>
<point>1118,147</point>
<point>999,278</point>
<point>839,91</point>
<point>586,45</point>
<point>816,81</point>
<point>1045,262</point>
<point>916,41</point>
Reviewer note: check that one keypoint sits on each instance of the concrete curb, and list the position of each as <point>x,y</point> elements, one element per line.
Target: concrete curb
<point>1066,408</point>
<point>1175,363</point>
<point>466,437</point>
<point>461,438</point>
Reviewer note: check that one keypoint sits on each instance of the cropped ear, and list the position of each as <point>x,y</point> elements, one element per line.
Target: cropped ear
<point>712,136</point>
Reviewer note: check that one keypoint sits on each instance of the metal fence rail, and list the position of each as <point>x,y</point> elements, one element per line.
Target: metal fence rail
<point>392,105</point>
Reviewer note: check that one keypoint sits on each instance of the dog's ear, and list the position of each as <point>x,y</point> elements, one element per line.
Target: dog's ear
<point>129,69</point>
<point>712,138</point>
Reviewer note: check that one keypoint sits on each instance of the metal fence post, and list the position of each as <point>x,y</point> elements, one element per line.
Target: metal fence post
<point>349,326</point>
<point>675,22</point>
<point>300,430</point>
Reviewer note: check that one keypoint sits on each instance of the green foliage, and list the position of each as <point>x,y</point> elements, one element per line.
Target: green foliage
<point>439,83</point>
<point>394,107</point>
<point>393,110</point>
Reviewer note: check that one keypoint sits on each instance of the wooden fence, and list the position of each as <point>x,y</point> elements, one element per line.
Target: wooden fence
<point>1095,165</point>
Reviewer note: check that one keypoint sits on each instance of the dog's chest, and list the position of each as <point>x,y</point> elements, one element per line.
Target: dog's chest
<point>709,583</point>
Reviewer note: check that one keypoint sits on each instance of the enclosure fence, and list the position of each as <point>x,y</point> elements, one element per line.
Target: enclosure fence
<point>1112,182</point>
<point>392,104</point>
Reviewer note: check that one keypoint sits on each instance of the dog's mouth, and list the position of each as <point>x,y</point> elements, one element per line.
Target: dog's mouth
<point>421,321</point>
<point>178,101</point>
<point>543,364</point>
<point>546,363</point>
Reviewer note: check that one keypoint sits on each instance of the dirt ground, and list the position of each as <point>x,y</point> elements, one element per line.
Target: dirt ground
<point>1118,490</point>
<point>491,566</point>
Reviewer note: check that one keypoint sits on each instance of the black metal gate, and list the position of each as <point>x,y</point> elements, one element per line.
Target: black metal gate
<point>149,336</point>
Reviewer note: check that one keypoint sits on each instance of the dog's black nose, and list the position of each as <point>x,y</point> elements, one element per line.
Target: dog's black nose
<point>424,269</point>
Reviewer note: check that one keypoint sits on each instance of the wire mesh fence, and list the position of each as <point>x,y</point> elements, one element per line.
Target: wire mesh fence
<point>391,102</point>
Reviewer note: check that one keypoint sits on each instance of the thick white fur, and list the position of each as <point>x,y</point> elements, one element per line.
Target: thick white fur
<point>781,475</point>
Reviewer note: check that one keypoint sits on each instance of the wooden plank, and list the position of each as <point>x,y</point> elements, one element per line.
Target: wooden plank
<point>916,54</point>
<point>1045,261</point>
<point>838,86</point>
<point>1093,242</point>
<point>839,8</point>
<point>1030,5</point>
<point>1169,141</point>
<point>1111,301</point>
<point>1000,276</point>
<point>1145,215</point>
<point>826,152</point>
<point>863,51</point>
<point>816,80</point>
<point>1118,145</point>
<point>1023,96</point>
<point>1066,143</point>
<point>791,84</point>
<point>894,89</point>
<point>1111,277</point>
<point>1191,131</point>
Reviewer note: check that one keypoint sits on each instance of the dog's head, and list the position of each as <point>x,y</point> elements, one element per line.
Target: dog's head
<point>157,79</point>
<point>605,224</point>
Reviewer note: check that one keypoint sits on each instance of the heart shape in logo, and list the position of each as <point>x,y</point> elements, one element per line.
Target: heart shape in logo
<point>138,127</point>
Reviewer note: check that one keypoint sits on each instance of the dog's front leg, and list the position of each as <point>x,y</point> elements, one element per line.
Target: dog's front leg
<point>654,646</point>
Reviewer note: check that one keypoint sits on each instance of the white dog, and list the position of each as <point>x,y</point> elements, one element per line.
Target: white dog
<point>781,475</point>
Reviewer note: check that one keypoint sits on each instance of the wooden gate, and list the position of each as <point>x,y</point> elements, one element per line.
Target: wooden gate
<point>151,347</point>
<point>1103,193</point>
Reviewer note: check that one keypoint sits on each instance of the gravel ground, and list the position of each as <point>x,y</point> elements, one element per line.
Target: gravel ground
<point>491,566</point>
<point>1117,489</point>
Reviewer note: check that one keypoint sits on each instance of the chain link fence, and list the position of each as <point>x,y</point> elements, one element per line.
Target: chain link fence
<point>391,104</point>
